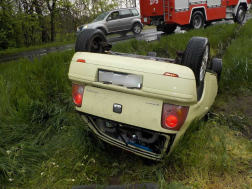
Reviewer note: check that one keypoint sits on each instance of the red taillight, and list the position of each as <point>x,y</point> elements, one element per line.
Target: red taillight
<point>173,117</point>
<point>171,6</point>
<point>171,121</point>
<point>77,94</point>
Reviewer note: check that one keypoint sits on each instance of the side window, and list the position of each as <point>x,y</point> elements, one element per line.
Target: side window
<point>114,15</point>
<point>125,13</point>
<point>135,12</point>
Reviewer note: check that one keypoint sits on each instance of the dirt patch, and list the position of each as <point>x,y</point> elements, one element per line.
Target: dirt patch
<point>116,180</point>
<point>237,111</point>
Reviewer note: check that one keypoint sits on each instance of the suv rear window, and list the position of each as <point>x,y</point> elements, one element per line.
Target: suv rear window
<point>125,13</point>
<point>135,12</point>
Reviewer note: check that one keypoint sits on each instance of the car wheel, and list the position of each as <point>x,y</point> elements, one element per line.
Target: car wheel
<point>123,33</point>
<point>137,28</point>
<point>217,67</point>
<point>197,20</point>
<point>169,28</point>
<point>90,40</point>
<point>240,15</point>
<point>196,57</point>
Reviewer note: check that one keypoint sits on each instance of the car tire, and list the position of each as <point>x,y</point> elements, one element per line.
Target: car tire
<point>208,23</point>
<point>90,40</point>
<point>197,20</point>
<point>123,33</point>
<point>103,31</point>
<point>217,67</point>
<point>240,15</point>
<point>137,28</point>
<point>169,28</point>
<point>196,57</point>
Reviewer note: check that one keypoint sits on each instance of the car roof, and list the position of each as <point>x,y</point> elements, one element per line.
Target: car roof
<point>122,9</point>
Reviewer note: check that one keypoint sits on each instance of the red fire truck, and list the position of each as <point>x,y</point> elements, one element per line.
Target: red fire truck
<point>168,14</point>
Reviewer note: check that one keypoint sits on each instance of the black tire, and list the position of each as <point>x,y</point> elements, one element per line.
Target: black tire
<point>240,15</point>
<point>137,28</point>
<point>103,31</point>
<point>169,28</point>
<point>123,33</point>
<point>217,67</point>
<point>197,20</point>
<point>208,23</point>
<point>196,57</point>
<point>90,40</point>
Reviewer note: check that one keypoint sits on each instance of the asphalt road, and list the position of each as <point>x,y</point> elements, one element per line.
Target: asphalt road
<point>147,35</point>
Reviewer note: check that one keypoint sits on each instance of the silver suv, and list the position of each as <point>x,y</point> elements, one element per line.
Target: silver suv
<point>116,21</point>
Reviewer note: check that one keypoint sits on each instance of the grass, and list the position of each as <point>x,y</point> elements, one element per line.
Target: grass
<point>238,60</point>
<point>59,42</point>
<point>45,144</point>
<point>220,36</point>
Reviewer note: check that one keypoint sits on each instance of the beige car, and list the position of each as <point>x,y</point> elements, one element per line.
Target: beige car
<point>142,104</point>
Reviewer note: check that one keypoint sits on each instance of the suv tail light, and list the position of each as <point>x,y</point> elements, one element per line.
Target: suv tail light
<point>173,117</point>
<point>77,94</point>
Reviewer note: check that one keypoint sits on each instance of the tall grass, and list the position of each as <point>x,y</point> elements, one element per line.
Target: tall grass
<point>238,60</point>
<point>35,106</point>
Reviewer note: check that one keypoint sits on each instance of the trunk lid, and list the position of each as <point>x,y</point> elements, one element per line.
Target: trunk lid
<point>155,84</point>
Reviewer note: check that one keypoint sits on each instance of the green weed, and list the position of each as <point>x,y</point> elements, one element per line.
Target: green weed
<point>60,40</point>
<point>237,61</point>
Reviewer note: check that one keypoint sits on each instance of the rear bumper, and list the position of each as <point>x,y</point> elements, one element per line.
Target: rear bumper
<point>166,139</point>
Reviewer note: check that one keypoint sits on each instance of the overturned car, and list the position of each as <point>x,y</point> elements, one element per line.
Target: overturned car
<point>142,104</point>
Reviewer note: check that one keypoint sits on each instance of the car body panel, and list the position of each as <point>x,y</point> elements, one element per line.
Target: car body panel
<point>155,84</point>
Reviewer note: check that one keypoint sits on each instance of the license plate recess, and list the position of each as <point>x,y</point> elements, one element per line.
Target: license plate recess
<point>120,79</point>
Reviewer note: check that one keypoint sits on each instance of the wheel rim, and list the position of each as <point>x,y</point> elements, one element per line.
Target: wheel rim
<point>95,45</point>
<point>241,15</point>
<point>197,22</point>
<point>204,63</point>
<point>137,29</point>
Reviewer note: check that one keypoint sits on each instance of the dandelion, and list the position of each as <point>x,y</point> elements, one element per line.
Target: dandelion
<point>89,179</point>
<point>8,152</point>
<point>11,179</point>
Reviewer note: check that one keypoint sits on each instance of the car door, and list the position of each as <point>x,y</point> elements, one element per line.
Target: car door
<point>126,18</point>
<point>113,22</point>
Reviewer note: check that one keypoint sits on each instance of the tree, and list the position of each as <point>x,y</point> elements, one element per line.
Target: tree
<point>52,8</point>
<point>39,5</point>
<point>6,23</point>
